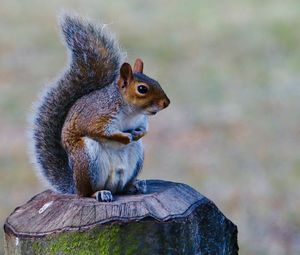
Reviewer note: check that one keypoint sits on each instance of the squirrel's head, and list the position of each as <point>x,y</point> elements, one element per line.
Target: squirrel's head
<point>141,91</point>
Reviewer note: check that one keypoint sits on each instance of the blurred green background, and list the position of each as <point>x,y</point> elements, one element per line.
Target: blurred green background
<point>232,131</point>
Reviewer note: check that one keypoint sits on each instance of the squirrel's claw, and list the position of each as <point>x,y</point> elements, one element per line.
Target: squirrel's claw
<point>103,196</point>
<point>136,135</point>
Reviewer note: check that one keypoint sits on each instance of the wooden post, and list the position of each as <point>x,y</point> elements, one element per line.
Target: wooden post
<point>172,218</point>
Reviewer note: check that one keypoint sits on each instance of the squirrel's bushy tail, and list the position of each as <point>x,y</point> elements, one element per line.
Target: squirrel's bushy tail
<point>94,62</point>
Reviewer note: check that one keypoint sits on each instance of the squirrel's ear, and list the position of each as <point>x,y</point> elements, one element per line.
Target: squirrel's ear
<point>138,66</point>
<point>125,74</point>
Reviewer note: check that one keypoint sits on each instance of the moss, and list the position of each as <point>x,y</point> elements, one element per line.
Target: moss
<point>112,239</point>
<point>102,242</point>
<point>107,240</point>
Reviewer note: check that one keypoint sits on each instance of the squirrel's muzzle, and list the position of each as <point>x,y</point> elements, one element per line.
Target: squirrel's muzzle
<point>164,103</point>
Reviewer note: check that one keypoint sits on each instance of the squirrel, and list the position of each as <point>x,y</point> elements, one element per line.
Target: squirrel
<point>88,124</point>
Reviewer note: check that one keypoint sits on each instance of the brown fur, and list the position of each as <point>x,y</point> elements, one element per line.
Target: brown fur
<point>91,116</point>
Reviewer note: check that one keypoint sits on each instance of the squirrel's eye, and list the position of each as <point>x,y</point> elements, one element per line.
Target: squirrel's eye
<point>142,89</point>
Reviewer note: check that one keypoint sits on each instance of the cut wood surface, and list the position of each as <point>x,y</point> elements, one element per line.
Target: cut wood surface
<point>172,218</point>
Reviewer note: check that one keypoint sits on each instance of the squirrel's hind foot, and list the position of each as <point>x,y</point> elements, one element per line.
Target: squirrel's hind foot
<point>137,187</point>
<point>103,196</point>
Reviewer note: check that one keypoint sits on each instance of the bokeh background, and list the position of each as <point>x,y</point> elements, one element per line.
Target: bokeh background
<point>232,131</point>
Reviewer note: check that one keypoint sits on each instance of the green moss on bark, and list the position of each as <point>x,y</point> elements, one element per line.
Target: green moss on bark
<point>102,242</point>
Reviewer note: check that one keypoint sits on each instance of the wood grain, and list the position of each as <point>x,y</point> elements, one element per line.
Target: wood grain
<point>164,212</point>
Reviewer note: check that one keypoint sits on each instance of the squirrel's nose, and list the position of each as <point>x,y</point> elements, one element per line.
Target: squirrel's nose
<point>165,102</point>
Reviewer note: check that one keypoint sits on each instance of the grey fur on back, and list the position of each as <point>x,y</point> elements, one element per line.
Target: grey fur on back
<point>94,62</point>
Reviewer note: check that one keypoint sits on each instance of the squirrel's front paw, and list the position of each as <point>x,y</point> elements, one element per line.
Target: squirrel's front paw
<point>103,196</point>
<point>138,134</point>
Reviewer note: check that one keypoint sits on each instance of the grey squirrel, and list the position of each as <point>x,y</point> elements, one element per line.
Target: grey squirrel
<point>87,125</point>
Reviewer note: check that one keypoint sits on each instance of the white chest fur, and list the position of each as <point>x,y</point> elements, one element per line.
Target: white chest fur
<point>113,165</point>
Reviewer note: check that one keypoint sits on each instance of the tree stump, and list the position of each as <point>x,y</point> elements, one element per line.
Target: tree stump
<point>172,218</point>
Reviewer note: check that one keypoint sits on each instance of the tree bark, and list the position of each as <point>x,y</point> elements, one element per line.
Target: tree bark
<point>172,218</point>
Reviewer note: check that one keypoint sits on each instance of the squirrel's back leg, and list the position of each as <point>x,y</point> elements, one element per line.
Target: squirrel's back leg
<point>79,162</point>
<point>136,187</point>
